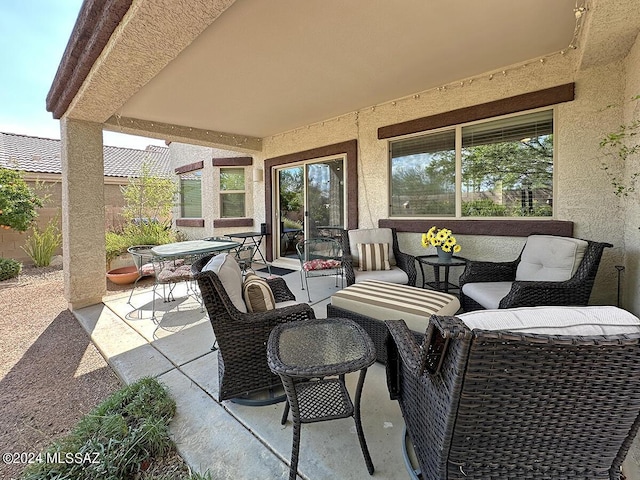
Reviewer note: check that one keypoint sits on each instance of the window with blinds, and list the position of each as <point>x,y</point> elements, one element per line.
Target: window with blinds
<point>505,169</point>
<point>191,195</point>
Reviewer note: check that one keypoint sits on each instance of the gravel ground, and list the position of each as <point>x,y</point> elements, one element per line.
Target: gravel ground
<point>51,374</point>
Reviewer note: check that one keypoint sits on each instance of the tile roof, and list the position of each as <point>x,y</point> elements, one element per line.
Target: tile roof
<point>42,155</point>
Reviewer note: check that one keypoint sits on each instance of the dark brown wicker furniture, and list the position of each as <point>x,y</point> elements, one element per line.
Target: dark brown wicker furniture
<point>370,303</point>
<point>318,349</point>
<point>242,337</point>
<point>502,405</point>
<point>436,262</point>
<point>575,291</point>
<point>405,261</point>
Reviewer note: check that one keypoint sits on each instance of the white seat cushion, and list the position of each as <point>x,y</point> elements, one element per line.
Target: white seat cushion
<point>229,273</point>
<point>384,301</point>
<point>394,275</point>
<point>580,321</point>
<point>370,235</point>
<point>487,294</point>
<point>547,258</point>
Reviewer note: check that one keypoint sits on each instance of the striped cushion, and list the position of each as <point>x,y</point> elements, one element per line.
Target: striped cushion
<point>257,294</point>
<point>388,301</point>
<point>373,256</point>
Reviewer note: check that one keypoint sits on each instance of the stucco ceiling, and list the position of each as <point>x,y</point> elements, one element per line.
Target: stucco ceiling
<point>265,67</point>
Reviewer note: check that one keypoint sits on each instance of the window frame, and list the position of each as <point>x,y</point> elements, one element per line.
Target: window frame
<point>222,192</point>
<point>457,128</point>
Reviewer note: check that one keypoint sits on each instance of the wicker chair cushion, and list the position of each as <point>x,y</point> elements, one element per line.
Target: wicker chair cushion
<point>487,294</point>
<point>321,264</point>
<point>373,256</point>
<point>172,274</point>
<point>395,275</point>
<point>229,273</point>
<point>548,258</point>
<point>570,321</point>
<point>147,270</point>
<point>257,294</point>
<point>370,235</point>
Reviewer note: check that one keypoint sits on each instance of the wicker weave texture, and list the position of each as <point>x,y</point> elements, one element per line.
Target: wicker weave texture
<point>517,406</point>
<point>242,337</point>
<point>575,291</point>
<point>403,260</point>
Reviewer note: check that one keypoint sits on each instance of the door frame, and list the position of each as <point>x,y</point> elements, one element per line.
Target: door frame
<point>348,149</point>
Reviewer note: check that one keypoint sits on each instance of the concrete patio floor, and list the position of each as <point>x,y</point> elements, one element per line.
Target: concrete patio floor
<point>228,440</point>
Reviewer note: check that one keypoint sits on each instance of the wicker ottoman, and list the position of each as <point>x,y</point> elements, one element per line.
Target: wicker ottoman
<point>371,302</point>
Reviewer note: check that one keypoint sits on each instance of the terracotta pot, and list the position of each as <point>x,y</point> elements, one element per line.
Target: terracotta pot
<point>123,276</point>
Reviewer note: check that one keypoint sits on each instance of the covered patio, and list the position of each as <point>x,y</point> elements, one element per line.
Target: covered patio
<point>284,82</point>
<point>230,440</point>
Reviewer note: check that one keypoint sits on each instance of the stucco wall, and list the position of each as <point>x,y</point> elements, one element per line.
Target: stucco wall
<point>582,192</point>
<point>631,112</point>
<point>183,154</point>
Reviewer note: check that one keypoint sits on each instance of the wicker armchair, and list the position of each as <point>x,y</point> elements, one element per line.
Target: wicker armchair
<point>482,404</point>
<point>242,337</point>
<point>500,279</point>
<point>403,265</point>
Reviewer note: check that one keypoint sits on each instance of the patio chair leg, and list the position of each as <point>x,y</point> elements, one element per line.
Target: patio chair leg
<point>285,413</point>
<point>306,281</point>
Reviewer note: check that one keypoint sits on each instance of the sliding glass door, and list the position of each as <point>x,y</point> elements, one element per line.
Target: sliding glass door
<point>310,202</point>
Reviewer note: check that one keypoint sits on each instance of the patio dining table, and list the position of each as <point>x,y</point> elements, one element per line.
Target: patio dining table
<point>190,248</point>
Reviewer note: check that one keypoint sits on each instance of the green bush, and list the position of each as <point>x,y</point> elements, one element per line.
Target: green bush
<point>115,440</point>
<point>18,203</point>
<point>41,244</point>
<point>152,233</point>
<point>9,268</point>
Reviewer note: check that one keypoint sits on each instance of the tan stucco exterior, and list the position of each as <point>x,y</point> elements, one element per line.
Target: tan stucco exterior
<point>582,187</point>
<point>83,212</point>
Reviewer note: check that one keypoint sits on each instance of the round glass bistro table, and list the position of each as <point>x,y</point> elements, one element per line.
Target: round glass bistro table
<point>312,357</point>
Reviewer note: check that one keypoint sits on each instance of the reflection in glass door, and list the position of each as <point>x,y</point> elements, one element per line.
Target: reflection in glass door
<point>311,203</point>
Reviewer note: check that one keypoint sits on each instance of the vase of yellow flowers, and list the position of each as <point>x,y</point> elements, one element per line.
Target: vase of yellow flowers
<point>444,241</point>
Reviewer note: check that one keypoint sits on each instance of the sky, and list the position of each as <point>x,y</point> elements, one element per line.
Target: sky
<point>33,37</point>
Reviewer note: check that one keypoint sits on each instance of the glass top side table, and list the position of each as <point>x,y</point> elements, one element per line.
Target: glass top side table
<point>323,350</point>
<point>438,262</point>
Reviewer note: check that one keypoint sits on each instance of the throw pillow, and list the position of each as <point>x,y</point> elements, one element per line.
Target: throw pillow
<point>228,271</point>
<point>373,256</point>
<point>257,294</point>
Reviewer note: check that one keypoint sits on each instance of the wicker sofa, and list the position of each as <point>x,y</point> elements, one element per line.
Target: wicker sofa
<point>242,336</point>
<point>528,393</point>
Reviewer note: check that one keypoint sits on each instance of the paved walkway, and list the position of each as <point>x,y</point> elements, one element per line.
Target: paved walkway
<point>228,440</point>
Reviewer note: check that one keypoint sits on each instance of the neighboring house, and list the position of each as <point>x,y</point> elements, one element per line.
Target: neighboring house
<point>39,159</point>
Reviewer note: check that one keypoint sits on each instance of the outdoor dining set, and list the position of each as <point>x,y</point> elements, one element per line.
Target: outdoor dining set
<point>513,376</point>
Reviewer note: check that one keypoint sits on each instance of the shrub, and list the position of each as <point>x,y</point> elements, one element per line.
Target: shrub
<point>41,244</point>
<point>9,268</point>
<point>116,439</point>
<point>151,233</point>
<point>18,202</point>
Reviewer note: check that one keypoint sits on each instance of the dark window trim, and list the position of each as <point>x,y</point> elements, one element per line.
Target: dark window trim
<point>189,222</point>
<point>348,148</point>
<point>498,228</point>
<point>232,222</point>
<point>232,162</point>
<point>189,168</point>
<point>518,103</point>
